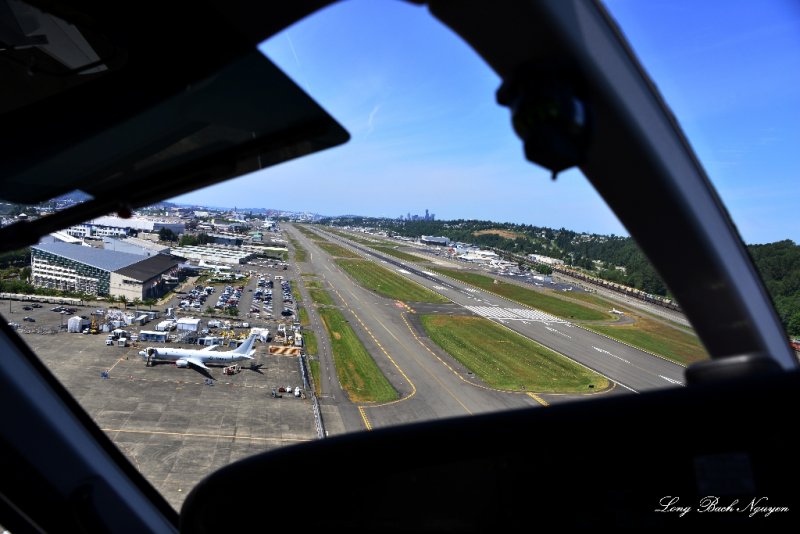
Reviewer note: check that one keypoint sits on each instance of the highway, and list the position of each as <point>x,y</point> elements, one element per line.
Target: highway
<point>631,368</point>
<point>430,383</point>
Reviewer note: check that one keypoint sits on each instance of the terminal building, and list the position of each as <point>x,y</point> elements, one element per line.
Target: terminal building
<point>69,267</point>
<point>145,279</point>
<point>214,255</point>
<point>111,226</point>
<point>436,241</point>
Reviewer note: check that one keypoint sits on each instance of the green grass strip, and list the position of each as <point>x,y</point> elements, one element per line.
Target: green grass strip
<point>357,239</point>
<point>387,283</point>
<point>320,297</point>
<point>358,373</point>
<point>306,232</point>
<point>313,367</point>
<point>313,284</point>
<point>391,251</point>
<point>300,254</point>
<point>337,251</point>
<point>298,298</point>
<point>536,299</point>
<point>310,342</point>
<point>304,317</point>
<point>506,360</point>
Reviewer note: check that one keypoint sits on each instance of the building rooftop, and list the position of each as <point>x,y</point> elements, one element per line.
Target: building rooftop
<point>107,260</point>
<point>110,243</point>
<point>149,268</point>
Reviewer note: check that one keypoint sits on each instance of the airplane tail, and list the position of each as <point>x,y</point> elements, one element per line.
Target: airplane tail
<point>245,347</point>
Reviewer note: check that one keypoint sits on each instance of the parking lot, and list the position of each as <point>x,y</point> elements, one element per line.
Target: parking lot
<point>172,423</point>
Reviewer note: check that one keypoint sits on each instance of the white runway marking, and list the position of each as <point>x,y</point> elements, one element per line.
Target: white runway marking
<point>558,332</point>
<point>671,380</point>
<point>515,314</point>
<point>612,355</point>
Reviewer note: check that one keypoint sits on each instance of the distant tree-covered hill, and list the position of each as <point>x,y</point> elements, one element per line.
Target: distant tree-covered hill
<point>779,265</point>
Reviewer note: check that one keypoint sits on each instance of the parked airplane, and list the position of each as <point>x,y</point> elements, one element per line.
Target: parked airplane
<point>199,357</point>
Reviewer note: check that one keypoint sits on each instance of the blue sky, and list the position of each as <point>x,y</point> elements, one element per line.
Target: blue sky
<point>427,133</point>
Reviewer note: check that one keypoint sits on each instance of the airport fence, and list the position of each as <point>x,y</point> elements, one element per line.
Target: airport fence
<point>308,384</point>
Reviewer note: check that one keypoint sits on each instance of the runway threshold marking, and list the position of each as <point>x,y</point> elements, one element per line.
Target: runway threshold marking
<point>538,399</point>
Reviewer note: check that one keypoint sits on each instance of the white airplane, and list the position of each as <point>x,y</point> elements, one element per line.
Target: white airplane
<point>199,357</point>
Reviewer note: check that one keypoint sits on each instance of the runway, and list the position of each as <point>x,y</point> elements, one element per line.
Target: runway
<point>430,383</point>
<point>631,368</point>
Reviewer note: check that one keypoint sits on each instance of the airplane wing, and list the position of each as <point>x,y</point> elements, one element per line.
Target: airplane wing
<point>208,348</point>
<point>196,362</point>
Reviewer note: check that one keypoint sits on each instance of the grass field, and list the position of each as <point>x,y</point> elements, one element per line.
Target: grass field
<point>506,360</point>
<point>306,232</point>
<point>304,317</point>
<point>337,251</point>
<point>546,303</point>
<point>300,254</point>
<point>310,342</point>
<point>591,298</point>
<point>387,283</point>
<point>502,233</point>
<point>358,373</point>
<point>298,298</point>
<point>313,284</point>
<point>658,338</point>
<point>320,297</point>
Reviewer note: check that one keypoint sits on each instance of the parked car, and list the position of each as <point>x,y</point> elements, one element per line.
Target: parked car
<point>29,319</point>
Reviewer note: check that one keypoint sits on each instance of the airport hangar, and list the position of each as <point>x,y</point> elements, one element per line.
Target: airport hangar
<point>83,269</point>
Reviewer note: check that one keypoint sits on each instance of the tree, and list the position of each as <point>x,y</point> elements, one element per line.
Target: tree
<point>188,240</point>
<point>136,302</point>
<point>149,302</point>
<point>234,312</point>
<point>165,234</point>
<point>124,300</point>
